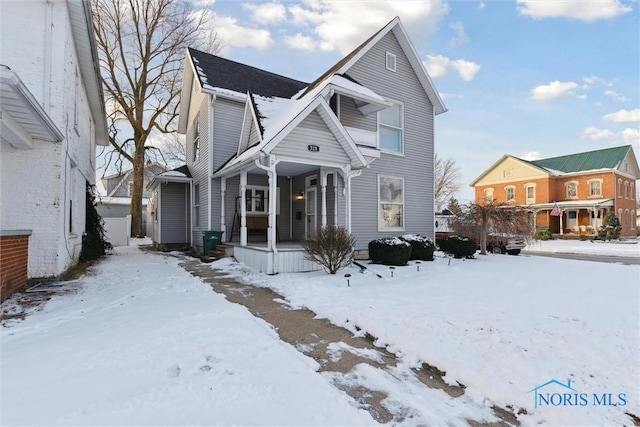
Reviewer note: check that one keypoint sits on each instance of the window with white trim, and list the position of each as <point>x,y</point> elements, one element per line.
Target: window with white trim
<point>633,192</point>
<point>390,203</point>
<point>390,62</point>
<point>510,193</point>
<point>196,205</point>
<point>257,200</point>
<point>595,187</point>
<point>530,193</point>
<point>488,195</point>
<point>196,138</point>
<point>626,189</point>
<point>633,218</point>
<point>619,188</point>
<point>571,188</point>
<point>391,128</point>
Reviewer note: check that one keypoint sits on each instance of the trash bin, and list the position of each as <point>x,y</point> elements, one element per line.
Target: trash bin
<point>210,239</point>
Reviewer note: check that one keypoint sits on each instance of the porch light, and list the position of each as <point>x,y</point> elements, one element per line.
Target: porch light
<point>300,196</point>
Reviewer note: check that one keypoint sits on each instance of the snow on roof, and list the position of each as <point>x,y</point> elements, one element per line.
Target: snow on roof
<point>173,173</point>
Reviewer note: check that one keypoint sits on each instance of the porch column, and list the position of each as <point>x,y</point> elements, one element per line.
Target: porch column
<point>347,198</point>
<point>223,225</point>
<point>271,230</point>
<point>561,227</point>
<point>335,199</point>
<point>243,208</point>
<point>323,191</point>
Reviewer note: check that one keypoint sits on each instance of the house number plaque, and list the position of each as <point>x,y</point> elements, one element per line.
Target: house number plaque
<point>314,148</point>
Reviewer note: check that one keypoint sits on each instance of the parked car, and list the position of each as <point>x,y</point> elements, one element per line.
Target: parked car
<point>502,243</point>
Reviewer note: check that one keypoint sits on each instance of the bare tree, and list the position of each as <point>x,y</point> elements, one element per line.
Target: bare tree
<point>446,178</point>
<point>141,47</point>
<point>479,220</point>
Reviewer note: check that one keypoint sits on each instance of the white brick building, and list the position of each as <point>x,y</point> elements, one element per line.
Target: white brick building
<point>52,117</point>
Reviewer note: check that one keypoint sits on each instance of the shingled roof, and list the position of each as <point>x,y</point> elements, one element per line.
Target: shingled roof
<point>215,71</point>
<point>608,158</point>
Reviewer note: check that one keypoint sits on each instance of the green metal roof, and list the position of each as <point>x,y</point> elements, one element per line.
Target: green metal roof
<point>608,158</point>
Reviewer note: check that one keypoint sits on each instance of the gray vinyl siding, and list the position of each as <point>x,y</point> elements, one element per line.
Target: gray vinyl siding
<point>312,130</point>
<point>254,137</point>
<point>415,166</point>
<point>174,204</point>
<point>199,169</point>
<point>350,116</point>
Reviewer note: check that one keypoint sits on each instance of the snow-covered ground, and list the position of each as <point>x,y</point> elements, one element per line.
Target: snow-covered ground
<point>626,248</point>
<point>142,342</point>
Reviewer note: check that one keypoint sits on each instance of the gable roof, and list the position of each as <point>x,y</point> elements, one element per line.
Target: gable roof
<point>214,71</point>
<point>607,158</point>
<point>395,26</point>
<point>502,159</point>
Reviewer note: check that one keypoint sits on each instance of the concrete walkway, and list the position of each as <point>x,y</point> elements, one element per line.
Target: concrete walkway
<point>314,337</point>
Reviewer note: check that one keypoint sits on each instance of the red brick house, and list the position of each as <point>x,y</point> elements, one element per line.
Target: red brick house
<point>584,187</point>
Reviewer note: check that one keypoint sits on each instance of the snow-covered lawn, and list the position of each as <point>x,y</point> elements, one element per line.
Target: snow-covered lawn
<point>501,325</point>
<point>145,343</point>
<point>142,342</point>
<point>627,248</point>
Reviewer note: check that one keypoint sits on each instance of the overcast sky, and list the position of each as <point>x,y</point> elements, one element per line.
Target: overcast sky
<point>533,79</point>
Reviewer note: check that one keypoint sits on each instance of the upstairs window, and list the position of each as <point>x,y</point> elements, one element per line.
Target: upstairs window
<point>530,193</point>
<point>510,193</point>
<point>196,138</point>
<point>572,190</point>
<point>488,195</point>
<point>619,188</point>
<point>633,192</point>
<point>626,189</point>
<point>390,62</point>
<point>390,128</point>
<point>595,188</point>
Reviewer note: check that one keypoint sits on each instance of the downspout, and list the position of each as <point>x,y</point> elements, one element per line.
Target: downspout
<point>210,159</point>
<point>190,214</point>
<point>48,42</point>
<point>290,208</point>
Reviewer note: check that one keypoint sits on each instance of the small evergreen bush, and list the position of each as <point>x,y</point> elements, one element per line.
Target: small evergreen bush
<point>422,247</point>
<point>610,228</point>
<point>459,246</point>
<point>545,235</point>
<point>389,251</point>
<point>94,242</point>
<point>330,246</point>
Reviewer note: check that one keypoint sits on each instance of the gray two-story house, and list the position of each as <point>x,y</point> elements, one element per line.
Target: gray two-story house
<point>270,158</point>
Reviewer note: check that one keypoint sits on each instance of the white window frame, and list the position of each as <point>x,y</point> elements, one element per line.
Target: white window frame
<point>488,195</point>
<point>566,189</point>
<point>390,61</point>
<point>590,183</point>
<point>506,193</point>
<point>380,203</point>
<point>633,192</point>
<point>196,206</point>
<point>619,188</point>
<point>401,129</point>
<point>626,189</point>
<point>633,219</point>
<point>530,200</point>
<point>196,138</point>
<point>251,206</point>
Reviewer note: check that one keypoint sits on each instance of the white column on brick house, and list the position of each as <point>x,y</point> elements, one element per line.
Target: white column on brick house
<point>223,225</point>
<point>243,208</point>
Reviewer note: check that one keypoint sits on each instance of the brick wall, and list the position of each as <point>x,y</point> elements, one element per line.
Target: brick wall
<point>14,257</point>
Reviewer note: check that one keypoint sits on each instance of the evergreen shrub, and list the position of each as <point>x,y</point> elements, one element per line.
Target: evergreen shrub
<point>458,246</point>
<point>389,251</point>
<point>422,247</point>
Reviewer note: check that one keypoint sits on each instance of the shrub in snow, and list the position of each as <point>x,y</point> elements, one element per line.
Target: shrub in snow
<point>458,246</point>
<point>389,251</point>
<point>545,235</point>
<point>422,247</point>
<point>610,228</point>
<point>331,247</point>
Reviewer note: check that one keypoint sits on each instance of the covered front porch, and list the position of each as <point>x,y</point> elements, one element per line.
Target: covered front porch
<point>575,217</point>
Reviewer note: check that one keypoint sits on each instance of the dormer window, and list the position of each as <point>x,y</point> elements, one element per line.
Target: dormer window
<point>391,62</point>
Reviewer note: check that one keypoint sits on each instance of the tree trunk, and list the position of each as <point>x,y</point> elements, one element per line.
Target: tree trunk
<point>136,195</point>
<point>483,234</point>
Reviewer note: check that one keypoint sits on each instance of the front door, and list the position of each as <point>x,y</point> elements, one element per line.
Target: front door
<point>311,203</point>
